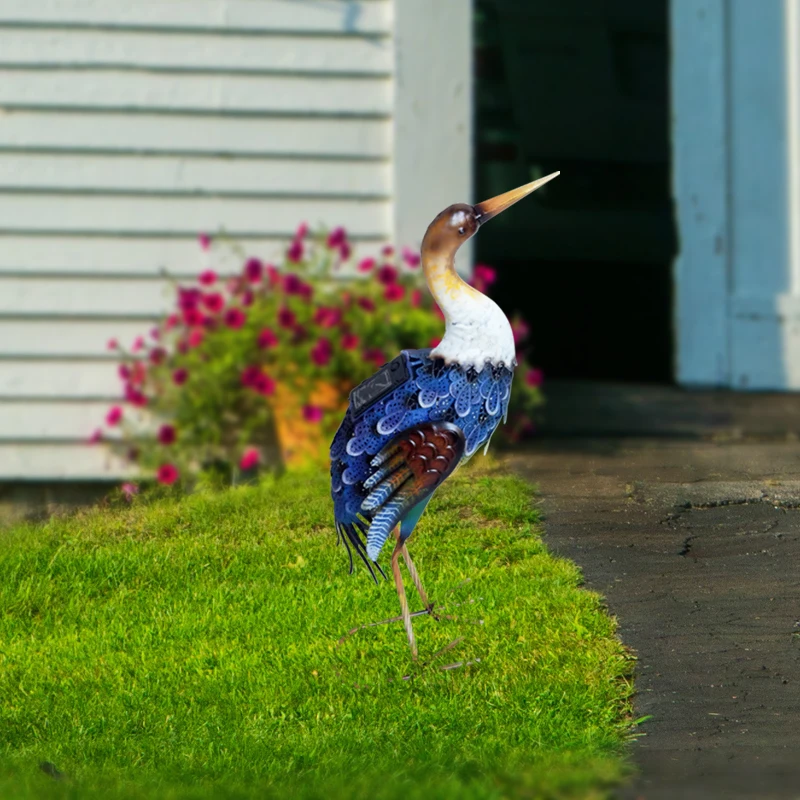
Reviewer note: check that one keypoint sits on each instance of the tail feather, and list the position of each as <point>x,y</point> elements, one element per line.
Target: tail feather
<point>350,536</point>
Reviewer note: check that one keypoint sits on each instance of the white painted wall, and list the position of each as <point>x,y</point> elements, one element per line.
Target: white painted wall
<point>736,84</point>
<point>127,128</point>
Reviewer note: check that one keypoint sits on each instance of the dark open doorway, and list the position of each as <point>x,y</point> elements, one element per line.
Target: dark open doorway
<point>581,87</point>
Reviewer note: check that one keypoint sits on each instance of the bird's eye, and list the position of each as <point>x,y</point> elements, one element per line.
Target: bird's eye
<point>462,231</point>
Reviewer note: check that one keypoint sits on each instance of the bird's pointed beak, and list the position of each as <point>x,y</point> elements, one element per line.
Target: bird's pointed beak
<point>491,208</point>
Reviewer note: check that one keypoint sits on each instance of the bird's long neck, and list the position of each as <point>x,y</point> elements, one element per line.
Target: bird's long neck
<point>476,329</point>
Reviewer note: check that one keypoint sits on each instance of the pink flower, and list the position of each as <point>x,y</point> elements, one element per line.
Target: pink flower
<point>394,291</point>
<point>387,250</point>
<point>302,231</point>
<point>135,397</point>
<point>97,436</point>
<point>204,240</point>
<point>214,302</point>
<point>250,458</point>
<point>286,317</point>
<point>349,341</point>
<point>327,317</point>
<point>157,355</point>
<point>138,373</point>
<point>196,338</point>
<point>129,490</point>
<point>366,264</point>
<point>273,275</point>
<point>336,237</point>
<point>138,344</point>
<point>411,257</point>
<point>263,384</point>
<point>534,377</point>
<point>167,434</point>
<point>207,278</point>
<point>416,298</point>
<point>172,321</point>
<point>292,283</point>
<point>247,298</point>
<point>267,338</point>
<point>375,355</point>
<point>193,317</point>
<point>485,275</point>
<point>250,375</point>
<point>312,413</point>
<point>179,376</point>
<point>435,341</point>
<point>366,303</point>
<point>321,352</point>
<point>188,298</point>
<point>155,334</point>
<point>167,474</point>
<point>520,330</point>
<point>114,416</point>
<point>112,344</point>
<point>438,311</point>
<point>234,318</point>
<point>306,291</point>
<point>387,274</point>
<point>295,251</point>
<point>254,270</point>
<point>345,251</point>
<point>124,371</point>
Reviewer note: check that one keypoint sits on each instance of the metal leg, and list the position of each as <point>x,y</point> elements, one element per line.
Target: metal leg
<point>401,593</point>
<point>412,571</point>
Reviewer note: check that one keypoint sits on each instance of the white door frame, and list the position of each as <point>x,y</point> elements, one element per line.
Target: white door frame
<point>432,114</point>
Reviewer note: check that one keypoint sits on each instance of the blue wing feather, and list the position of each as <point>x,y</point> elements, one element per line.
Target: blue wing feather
<point>476,402</point>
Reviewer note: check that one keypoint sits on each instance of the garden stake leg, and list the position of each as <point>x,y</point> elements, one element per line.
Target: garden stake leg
<point>401,593</point>
<point>412,571</point>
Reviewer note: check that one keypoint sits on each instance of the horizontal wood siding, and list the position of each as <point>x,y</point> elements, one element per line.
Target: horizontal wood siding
<point>128,128</point>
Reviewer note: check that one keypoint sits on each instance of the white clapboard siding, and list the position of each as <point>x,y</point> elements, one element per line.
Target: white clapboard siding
<point>79,214</point>
<point>55,421</point>
<point>76,338</point>
<point>238,94</point>
<point>171,174</point>
<point>181,257</point>
<point>126,129</point>
<point>249,137</point>
<point>186,52</point>
<point>262,16</point>
<point>59,462</point>
<point>56,380</point>
<point>109,255</point>
<point>54,297</point>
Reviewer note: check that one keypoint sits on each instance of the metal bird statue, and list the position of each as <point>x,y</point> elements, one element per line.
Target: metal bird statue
<point>409,426</point>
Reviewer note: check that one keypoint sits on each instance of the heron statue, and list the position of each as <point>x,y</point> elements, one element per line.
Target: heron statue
<point>409,426</point>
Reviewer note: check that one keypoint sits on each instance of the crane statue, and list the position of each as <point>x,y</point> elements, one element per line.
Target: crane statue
<point>409,426</point>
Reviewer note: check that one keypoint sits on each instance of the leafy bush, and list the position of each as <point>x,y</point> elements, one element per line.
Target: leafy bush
<point>239,356</point>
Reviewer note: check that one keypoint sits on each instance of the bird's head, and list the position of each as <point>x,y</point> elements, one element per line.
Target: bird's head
<point>458,223</point>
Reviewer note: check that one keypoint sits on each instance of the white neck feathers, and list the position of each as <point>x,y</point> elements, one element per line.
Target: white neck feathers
<point>476,329</point>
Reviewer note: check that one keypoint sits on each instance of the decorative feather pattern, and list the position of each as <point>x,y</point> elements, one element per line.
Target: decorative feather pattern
<point>393,452</point>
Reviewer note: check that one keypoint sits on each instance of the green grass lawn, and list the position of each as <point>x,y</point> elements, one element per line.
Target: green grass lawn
<point>188,648</point>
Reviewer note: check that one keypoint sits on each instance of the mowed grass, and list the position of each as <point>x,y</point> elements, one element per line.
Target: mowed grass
<point>187,648</point>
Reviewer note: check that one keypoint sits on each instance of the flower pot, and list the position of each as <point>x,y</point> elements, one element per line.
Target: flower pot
<point>302,441</point>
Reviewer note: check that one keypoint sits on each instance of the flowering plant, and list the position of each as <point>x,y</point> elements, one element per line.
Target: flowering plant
<point>274,345</point>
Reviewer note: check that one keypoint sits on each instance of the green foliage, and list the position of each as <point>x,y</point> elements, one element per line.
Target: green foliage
<point>187,647</point>
<point>220,369</point>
